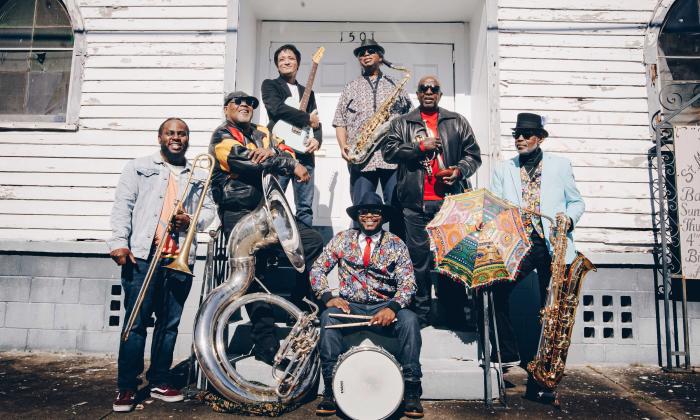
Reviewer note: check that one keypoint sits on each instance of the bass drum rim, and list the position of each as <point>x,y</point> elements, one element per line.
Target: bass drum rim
<point>360,349</point>
<point>234,386</point>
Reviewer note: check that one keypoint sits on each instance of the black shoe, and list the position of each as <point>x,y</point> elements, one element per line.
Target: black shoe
<point>535,392</point>
<point>411,400</point>
<point>327,405</point>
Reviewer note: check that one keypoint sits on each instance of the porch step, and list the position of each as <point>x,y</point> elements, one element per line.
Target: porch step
<point>443,379</point>
<point>449,361</point>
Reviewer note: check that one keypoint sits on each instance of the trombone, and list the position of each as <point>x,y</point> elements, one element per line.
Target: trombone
<point>204,161</point>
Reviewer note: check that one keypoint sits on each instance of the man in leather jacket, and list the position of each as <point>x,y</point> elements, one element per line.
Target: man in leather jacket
<point>243,151</point>
<point>437,153</point>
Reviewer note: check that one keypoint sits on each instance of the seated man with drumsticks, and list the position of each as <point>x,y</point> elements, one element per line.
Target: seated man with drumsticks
<point>376,280</point>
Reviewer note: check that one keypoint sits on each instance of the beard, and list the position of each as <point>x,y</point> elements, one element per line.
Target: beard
<point>174,158</point>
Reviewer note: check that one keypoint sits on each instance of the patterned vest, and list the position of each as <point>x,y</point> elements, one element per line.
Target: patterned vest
<point>531,199</point>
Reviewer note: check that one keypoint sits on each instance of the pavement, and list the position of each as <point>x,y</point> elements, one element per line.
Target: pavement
<point>57,386</point>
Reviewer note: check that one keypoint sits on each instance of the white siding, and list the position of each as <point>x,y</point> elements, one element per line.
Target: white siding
<point>580,65</point>
<point>146,60</point>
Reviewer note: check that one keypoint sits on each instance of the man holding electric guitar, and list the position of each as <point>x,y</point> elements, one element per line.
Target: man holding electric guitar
<point>291,109</point>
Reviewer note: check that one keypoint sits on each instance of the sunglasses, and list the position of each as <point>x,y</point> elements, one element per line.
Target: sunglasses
<point>368,51</point>
<point>248,100</point>
<point>425,88</point>
<point>369,212</point>
<point>525,133</point>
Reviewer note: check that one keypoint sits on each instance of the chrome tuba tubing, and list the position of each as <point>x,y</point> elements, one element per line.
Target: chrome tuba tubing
<point>271,222</point>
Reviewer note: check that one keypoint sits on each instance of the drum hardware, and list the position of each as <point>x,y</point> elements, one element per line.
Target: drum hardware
<point>367,383</point>
<point>366,323</point>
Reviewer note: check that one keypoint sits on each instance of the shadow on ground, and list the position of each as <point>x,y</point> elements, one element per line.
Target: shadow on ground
<point>43,385</point>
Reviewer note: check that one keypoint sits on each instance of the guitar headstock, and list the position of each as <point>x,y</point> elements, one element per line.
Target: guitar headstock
<point>318,54</point>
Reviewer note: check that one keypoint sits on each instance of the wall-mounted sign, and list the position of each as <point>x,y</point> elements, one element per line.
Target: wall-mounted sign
<point>687,148</point>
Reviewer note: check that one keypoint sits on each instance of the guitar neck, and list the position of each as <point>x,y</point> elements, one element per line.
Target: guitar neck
<point>304,103</point>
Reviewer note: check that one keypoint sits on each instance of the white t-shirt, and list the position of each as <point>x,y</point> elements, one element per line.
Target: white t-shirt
<point>295,91</point>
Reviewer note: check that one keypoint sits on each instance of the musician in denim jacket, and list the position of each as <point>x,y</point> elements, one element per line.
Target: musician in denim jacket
<point>376,279</point>
<point>145,196</point>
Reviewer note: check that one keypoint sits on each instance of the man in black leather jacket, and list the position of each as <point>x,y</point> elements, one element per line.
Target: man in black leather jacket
<point>244,150</point>
<point>437,153</point>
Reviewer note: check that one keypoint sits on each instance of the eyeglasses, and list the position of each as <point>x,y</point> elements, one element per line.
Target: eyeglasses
<point>368,51</point>
<point>369,212</point>
<point>249,100</point>
<point>425,88</point>
<point>525,133</point>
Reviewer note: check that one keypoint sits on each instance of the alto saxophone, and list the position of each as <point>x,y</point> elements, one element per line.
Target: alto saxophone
<point>558,316</point>
<point>375,128</point>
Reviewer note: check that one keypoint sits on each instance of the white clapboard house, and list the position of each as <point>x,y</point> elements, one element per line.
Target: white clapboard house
<point>84,85</point>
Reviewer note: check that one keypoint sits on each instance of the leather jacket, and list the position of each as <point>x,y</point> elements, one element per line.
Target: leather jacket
<point>237,181</point>
<point>459,149</point>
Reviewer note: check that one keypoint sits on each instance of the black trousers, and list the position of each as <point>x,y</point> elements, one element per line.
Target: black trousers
<point>538,259</point>
<point>452,295</point>
<point>261,313</point>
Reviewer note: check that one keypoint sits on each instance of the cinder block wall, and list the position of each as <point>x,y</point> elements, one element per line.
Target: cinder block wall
<point>74,304</point>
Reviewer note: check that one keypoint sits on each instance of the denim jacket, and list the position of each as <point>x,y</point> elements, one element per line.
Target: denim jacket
<point>138,203</point>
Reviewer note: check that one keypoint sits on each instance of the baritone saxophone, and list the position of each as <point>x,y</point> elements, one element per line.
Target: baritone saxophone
<point>559,314</point>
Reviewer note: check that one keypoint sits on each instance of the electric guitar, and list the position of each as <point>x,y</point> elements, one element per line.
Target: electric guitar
<point>298,137</point>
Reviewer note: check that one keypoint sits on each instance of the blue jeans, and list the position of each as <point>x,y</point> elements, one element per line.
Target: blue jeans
<point>165,297</point>
<point>303,192</point>
<point>406,329</point>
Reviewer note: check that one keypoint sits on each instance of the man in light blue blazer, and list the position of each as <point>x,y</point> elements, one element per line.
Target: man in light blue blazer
<point>544,183</point>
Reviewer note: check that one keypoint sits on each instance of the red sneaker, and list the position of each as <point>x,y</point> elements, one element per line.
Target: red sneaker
<point>166,393</point>
<point>125,401</point>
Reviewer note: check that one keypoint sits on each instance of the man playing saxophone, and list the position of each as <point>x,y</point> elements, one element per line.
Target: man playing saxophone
<point>437,153</point>
<point>244,150</point>
<point>542,183</point>
<point>145,196</point>
<point>358,103</point>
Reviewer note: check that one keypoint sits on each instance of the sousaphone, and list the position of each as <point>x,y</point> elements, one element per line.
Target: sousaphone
<point>270,223</point>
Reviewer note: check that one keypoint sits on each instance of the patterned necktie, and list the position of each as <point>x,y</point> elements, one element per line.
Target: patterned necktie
<point>365,255</point>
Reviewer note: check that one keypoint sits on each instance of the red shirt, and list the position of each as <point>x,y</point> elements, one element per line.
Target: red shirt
<point>433,187</point>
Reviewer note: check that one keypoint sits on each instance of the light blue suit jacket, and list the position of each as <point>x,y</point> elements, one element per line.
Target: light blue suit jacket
<point>558,192</point>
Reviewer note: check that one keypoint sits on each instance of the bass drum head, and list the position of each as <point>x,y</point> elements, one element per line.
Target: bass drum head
<point>368,383</point>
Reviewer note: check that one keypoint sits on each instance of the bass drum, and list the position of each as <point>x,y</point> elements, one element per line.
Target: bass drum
<point>367,383</point>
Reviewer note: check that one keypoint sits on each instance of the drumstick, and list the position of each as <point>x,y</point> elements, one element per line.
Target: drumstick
<point>355,324</point>
<point>351,316</point>
<point>351,324</point>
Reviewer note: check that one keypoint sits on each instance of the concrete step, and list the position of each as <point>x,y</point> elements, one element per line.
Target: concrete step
<point>443,379</point>
<point>437,343</point>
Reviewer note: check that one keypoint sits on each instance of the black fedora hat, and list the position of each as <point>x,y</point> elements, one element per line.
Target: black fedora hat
<point>371,200</point>
<point>530,121</point>
<point>368,43</point>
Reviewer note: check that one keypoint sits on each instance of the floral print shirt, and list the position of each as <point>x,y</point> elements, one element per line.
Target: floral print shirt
<point>389,276</point>
<point>359,101</point>
<point>531,198</point>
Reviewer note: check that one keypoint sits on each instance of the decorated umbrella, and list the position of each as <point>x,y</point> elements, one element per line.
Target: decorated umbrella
<point>478,239</point>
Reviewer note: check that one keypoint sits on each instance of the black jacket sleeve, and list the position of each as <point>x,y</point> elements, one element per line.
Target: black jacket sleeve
<point>233,157</point>
<point>273,96</point>
<point>395,149</point>
<point>318,132</point>
<point>471,154</point>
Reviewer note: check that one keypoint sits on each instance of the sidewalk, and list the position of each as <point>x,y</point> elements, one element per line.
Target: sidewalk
<point>44,385</point>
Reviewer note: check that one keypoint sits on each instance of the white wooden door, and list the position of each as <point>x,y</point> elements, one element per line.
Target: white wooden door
<point>425,56</point>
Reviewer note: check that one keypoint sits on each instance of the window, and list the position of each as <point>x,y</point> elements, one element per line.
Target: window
<point>679,42</point>
<point>36,57</point>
